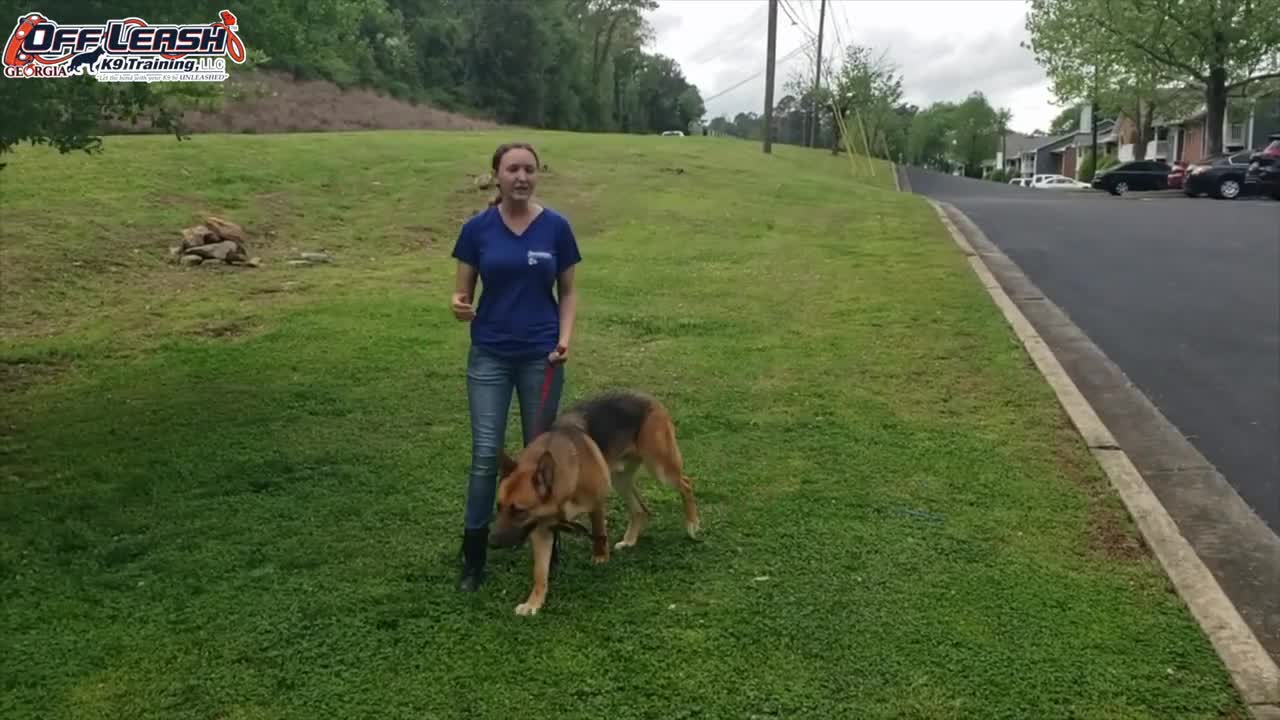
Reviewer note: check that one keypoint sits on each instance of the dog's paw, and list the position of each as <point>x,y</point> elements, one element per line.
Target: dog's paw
<point>692,529</point>
<point>526,609</point>
<point>623,544</point>
<point>599,559</point>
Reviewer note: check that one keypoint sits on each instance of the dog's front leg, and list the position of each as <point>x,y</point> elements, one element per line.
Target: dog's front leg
<point>541,539</point>
<point>599,537</point>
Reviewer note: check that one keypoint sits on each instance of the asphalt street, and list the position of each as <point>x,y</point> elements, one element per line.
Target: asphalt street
<point>1183,294</point>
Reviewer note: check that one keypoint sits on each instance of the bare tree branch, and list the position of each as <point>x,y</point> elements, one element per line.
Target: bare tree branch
<point>1255,78</point>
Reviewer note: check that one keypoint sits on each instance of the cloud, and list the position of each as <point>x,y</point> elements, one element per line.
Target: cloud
<point>943,50</point>
<point>665,22</point>
<point>947,69</point>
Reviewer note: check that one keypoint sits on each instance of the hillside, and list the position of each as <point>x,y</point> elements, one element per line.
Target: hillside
<point>271,101</point>
<point>236,492</point>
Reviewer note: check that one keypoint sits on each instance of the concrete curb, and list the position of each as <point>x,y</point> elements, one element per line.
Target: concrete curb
<point>1252,670</point>
<point>900,178</point>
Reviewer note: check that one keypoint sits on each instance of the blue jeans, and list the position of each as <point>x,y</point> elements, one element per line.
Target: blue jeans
<point>490,380</point>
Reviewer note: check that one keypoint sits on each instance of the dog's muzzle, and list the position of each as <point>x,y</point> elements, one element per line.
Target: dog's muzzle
<point>510,537</point>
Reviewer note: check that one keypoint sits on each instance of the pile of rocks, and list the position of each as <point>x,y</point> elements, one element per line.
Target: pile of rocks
<point>216,239</point>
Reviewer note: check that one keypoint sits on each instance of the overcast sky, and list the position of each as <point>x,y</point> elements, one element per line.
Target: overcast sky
<point>943,49</point>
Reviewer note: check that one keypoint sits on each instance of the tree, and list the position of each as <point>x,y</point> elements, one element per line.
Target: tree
<point>690,105</point>
<point>974,131</point>
<point>1216,46</point>
<point>800,87</point>
<point>1003,116</point>
<point>870,85</point>
<point>929,138</point>
<point>1066,121</point>
<point>898,134</point>
<point>790,121</point>
<point>70,114</point>
<point>566,64</point>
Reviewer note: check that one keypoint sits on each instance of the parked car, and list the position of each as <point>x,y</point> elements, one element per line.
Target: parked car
<point>1021,182</point>
<point>1134,175</point>
<point>1059,182</point>
<point>1263,175</point>
<point>1220,175</point>
<point>1177,175</point>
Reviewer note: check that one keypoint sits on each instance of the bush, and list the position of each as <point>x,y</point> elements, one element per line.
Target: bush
<point>999,176</point>
<point>1087,170</point>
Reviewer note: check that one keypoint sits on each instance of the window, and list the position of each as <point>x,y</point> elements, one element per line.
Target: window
<point>1235,134</point>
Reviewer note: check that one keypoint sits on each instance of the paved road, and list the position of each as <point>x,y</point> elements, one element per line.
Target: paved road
<point>1182,294</point>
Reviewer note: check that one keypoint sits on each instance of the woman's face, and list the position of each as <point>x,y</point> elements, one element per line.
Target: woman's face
<point>517,174</point>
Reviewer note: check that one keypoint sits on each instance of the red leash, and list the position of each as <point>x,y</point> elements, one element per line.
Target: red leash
<point>546,392</point>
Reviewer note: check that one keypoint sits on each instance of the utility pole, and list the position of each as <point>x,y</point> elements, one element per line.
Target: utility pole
<point>768,76</point>
<point>1093,124</point>
<point>817,78</point>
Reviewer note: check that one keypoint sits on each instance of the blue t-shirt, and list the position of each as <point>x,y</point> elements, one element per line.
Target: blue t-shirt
<point>518,315</point>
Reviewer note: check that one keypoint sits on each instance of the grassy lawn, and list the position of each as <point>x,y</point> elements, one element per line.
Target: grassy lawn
<point>238,493</point>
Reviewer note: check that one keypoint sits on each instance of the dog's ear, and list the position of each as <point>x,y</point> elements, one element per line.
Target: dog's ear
<point>505,464</point>
<point>544,476</point>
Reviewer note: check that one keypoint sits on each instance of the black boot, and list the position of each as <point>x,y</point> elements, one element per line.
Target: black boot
<point>475,545</point>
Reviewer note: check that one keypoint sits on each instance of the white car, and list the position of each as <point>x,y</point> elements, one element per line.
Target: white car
<point>1020,182</point>
<point>1058,182</point>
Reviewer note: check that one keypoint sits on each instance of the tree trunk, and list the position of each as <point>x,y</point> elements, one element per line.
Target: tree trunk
<point>1140,135</point>
<point>1215,101</point>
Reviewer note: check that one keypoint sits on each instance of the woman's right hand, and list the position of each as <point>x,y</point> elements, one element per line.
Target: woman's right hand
<point>462,309</point>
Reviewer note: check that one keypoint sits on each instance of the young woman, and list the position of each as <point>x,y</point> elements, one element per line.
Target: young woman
<point>521,252</point>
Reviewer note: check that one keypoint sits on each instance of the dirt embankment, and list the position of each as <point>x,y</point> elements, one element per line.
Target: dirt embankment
<point>269,102</point>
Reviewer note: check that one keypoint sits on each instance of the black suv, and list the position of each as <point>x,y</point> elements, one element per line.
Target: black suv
<point>1263,175</point>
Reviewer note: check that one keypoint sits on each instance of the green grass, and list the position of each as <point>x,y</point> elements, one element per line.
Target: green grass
<point>238,494</point>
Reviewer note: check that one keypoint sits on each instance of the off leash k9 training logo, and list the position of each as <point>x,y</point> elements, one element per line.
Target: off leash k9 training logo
<point>127,50</point>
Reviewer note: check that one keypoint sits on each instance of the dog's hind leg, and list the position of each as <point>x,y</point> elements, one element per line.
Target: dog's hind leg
<point>638,515</point>
<point>662,456</point>
<point>671,474</point>
<point>599,537</point>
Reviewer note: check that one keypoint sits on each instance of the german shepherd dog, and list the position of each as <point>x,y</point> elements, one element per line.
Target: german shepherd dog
<point>568,471</point>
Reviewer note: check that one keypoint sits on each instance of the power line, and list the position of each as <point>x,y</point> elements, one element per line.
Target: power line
<point>739,84</point>
<point>787,11</point>
<point>804,22</point>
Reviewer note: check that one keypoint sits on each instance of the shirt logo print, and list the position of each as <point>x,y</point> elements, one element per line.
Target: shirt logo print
<point>536,255</point>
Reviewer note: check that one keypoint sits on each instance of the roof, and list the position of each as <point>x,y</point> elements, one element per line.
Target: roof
<point>1017,143</point>
<point>1054,142</point>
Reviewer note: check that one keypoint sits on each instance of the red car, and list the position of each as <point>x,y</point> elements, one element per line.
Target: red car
<point>1177,175</point>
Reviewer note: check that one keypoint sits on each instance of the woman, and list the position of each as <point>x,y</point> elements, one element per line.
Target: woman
<point>520,251</point>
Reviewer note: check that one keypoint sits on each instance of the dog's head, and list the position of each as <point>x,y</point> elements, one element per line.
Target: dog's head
<point>524,497</point>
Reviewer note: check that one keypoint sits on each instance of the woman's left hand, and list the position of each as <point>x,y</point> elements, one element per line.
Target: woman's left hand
<point>559,355</point>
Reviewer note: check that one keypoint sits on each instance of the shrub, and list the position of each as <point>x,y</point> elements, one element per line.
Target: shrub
<point>1087,169</point>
